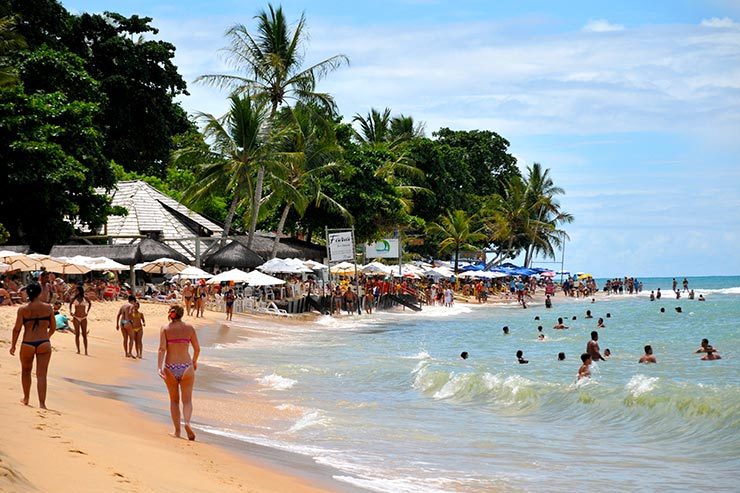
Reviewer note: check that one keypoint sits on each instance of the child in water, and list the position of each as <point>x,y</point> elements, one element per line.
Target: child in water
<point>585,370</point>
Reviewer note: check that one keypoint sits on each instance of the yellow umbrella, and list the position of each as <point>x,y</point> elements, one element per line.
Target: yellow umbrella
<point>584,275</point>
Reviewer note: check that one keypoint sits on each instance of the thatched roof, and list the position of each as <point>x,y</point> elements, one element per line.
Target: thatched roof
<point>16,248</point>
<point>144,251</point>
<point>234,255</point>
<point>125,254</point>
<point>309,251</point>
<point>151,250</point>
<point>262,246</point>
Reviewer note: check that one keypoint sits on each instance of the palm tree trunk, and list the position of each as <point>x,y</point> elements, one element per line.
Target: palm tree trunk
<point>457,252</point>
<point>256,204</point>
<point>279,231</point>
<point>229,218</point>
<point>260,181</point>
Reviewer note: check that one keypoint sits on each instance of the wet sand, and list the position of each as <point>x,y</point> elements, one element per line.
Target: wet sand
<point>92,439</point>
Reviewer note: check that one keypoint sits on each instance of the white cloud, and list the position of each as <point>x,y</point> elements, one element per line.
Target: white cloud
<point>602,26</point>
<point>719,22</point>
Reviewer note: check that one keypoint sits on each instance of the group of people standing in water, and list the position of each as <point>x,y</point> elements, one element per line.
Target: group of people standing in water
<point>36,324</point>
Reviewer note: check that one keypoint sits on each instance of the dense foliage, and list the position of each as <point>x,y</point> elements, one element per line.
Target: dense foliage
<point>88,99</point>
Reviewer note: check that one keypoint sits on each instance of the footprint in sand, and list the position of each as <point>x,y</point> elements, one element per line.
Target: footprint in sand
<point>77,451</point>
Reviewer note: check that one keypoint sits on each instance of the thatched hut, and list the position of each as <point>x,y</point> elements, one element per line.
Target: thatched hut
<point>233,255</point>
<point>151,250</point>
<point>124,254</point>
<point>25,249</point>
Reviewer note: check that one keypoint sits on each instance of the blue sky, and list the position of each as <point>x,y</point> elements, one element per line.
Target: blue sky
<point>633,105</point>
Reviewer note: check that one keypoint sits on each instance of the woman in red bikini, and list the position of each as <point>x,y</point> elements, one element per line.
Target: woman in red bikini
<point>177,368</point>
<point>36,318</point>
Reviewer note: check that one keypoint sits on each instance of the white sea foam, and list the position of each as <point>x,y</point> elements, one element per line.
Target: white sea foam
<point>641,384</point>
<point>276,382</point>
<point>401,485</point>
<point>420,355</point>
<point>310,418</point>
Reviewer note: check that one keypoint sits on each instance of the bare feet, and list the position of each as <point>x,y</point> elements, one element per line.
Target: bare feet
<point>42,406</point>
<point>189,431</point>
<point>24,401</point>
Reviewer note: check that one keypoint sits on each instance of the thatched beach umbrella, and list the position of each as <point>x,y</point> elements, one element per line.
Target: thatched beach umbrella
<point>234,255</point>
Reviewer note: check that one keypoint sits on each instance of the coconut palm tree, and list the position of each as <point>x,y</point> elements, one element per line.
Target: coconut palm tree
<point>307,153</point>
<point>541,193</point>
<point>381,128</point>
<point>270,66</point>
<point>237,148</point>
<point>457,232</point>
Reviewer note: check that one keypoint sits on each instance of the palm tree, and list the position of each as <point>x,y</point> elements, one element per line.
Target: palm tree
<point>381,128</point>
<point>508,217</point>
<point>541,192</point>
<point>271,61</point>
<point>238,148</point>
<point>456,229</point>
<point>307,153</point>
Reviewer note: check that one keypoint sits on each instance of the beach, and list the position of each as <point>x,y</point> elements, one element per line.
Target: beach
<point>90,441</point>
<point>384,402</point>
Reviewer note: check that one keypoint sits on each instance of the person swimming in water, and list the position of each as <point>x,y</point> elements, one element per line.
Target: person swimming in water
<point>592,347</point>
<point>600,323</point>
<point>711,354</point>
<point>585,370</point>
<point>520,357</point>
<point>506,330</point>
<point>560,324</point>
<point>561,356</point>
<point>588,314</point>
<point>648,357</point>
<point>464,355</point>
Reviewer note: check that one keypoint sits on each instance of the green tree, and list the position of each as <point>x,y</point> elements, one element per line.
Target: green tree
<point>509,219</point>
<point>546,236</point>
<point>10,43</point>
<point>270,66</point>
<point>307,153</point>
<point>457,231</point>
<point>41,203</point>
<point>238,147</point>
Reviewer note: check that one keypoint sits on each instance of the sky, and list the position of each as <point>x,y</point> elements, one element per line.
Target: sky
<point>633,106</point>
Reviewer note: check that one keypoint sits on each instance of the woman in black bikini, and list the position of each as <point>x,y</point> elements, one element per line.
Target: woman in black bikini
<point>36,318</point>
<point>177,368</point>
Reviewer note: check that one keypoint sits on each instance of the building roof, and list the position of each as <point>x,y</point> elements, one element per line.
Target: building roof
<point>155,215</point>
<point>124,254</point>
<point>234,255</point>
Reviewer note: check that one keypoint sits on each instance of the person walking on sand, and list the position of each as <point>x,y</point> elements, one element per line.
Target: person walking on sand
<point>229,298</point>
<point>187,294</point>
<point>124,324</point>
<point>80,307</point>
<point>177,368</point>
<point>592,348</point>
<point>36,318</point>
<point>138,322</point>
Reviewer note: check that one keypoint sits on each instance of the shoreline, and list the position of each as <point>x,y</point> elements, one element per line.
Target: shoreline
<point>91,440</point>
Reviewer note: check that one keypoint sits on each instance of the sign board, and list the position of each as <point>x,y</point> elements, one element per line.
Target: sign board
<point>341,246</point>
<point>387,248</point>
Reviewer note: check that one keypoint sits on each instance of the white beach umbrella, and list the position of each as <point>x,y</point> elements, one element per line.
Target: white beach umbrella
<point>235,275</point>
<point>192,272</point>
<point>257,278</point>
<point>98,263</point>
<point>284,266</point>
<point>4,267</point>
<point>376,268</point>
<point>163,265</point>
<point>343,268</point>
<point>63,265</point>
<point>313,265</point>
<point>15,260</point>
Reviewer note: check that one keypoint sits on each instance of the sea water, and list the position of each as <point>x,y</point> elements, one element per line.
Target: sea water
<point>386,400</point>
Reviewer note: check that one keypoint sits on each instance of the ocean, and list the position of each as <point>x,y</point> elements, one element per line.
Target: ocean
<point>388,403</point>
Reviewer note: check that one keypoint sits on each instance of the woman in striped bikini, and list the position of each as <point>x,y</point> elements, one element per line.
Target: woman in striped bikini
<point>36,318</point>
<point>177,368</point>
